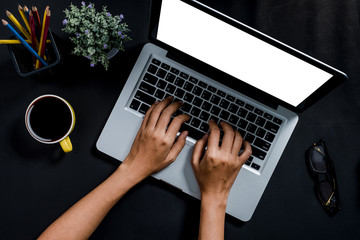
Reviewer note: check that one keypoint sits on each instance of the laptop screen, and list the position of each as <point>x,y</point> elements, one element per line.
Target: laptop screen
<point>241,55</point>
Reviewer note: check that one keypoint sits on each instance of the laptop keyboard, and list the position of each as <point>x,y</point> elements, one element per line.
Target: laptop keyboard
<point>202,102</point>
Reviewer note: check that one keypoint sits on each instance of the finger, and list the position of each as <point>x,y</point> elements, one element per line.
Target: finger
<point>147,115</point>
<point>156,112</point>
<point>199,149</point>
<point>238,141</point>
<point>166,114</point>
<point>175,125</point>
<point>178,146</point>
<point>214,135</point>
<point>246,153</point>
<point>228,138</point>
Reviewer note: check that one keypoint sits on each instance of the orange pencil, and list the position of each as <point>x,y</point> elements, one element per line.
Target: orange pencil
<point>44,32</point>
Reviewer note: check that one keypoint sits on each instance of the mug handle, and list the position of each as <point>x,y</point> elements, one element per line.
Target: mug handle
<point>66,145</point>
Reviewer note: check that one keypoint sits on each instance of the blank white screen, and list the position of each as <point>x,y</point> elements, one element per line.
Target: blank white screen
<point>237,53</point>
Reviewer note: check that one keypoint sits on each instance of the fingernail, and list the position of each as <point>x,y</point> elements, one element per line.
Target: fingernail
<point>169,97</point>
<point>157,102</point>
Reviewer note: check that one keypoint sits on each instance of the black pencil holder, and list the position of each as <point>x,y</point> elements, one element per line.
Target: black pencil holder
<point>23,59</point>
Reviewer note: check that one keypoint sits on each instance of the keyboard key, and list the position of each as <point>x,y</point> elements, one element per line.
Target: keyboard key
<point>224,115</point>
<point>204,127</point>
<point>212,89</point>
<point>197,101</point>
<point>242,112</point>
<point>150,79</point>
<point>144,107</point>
<point>165,66</point>
<point>147,88</point>
<point>161,84</point>
<point>179,82</point>
<point>221,93</point>
<point>242,124</point>
<point>215,99</point>
<point>262,144</point>
<point>272,127</point>
<point>259,112</point>
<point>195,111</point>
<point>260,121</point>
<point>239,102</point>
<point>184,75</point>
<point>268,116</point>
<point>188,97</point>
<point>251,128</point>
<point>193,132</point>
<point>144,97</point>
<point>215,110</point>
<point>230,98</point>
<point>277,121</point>
<point>206,106</point>
<point>170,88</point>
<point>159,94</point>
<point>249,160</point>
<point>216,119</point>
<point>174,71</point>
<point>202,84</point>
<point>224,104</point>
<point>197,91</point>
<point>260,132</point>
<point>249,137</point>
<point>206,95</point>
<point>170,77</point>
<point>249,107</point>
<point>251,117</point>
<point>193,80</point>
<point>161,73</point>
<point>233,108</point>
<point>179,93</point>
<point>255,166</point>
<point>188,86</point>
<point>186,107</point>
<point>233,119</point>
<point>152,69</point>
<point>269,137</point>
<point>134,104</point>
<point>258,153</point>
<point>195,123</point>
<point>204,116</point>
<point>156,62</point>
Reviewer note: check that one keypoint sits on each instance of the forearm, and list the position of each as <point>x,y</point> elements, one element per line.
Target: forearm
<point>81,220</point>
<point>212,219</point>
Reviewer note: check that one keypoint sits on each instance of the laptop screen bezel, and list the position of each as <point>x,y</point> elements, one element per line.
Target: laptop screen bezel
<point>237,84</point>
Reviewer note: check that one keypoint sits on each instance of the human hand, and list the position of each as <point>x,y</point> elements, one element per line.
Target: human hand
<point>216,171</point>
<point>155,145</point>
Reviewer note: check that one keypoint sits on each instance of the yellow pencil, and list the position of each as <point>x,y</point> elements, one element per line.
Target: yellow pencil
<point>24,17</point>
<point>42,36</point>
<point>15,41</point>
<point>18,25</point>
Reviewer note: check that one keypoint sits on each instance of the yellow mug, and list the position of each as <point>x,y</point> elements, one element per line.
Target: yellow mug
<point>50,119</point>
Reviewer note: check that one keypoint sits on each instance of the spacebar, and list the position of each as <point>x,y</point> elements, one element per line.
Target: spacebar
<point>193,132</point>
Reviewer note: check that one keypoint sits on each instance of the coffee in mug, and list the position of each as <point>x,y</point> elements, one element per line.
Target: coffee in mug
<point>50,119</point>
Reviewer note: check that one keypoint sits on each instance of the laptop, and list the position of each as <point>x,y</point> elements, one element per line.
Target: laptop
<point>224,70</point>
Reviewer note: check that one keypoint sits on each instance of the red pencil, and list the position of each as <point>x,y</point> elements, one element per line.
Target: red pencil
<point>33,34</point>
<point>37,18</point>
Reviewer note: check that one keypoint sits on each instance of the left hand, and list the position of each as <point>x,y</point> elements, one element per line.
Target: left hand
<point>155,145</point>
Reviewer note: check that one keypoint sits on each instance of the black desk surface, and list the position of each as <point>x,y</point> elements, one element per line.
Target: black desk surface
<point>38,183</point>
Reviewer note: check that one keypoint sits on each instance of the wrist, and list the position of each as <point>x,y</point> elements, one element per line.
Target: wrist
<point>214,201</point>
<point>131,172</point>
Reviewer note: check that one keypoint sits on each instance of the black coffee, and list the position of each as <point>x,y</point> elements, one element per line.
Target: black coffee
<point>50,119</point>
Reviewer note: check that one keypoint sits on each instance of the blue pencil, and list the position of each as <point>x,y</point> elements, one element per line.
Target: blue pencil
<point>17,35</point>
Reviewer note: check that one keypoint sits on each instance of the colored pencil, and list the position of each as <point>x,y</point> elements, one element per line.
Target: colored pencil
<point>26,11</point>
<point>37,18</point>
<point>18,25</point>
<point>17,35</point>
<point>15,41</point>
<point>44,32</point>
<point>33,34</point>
<point>24,17</point>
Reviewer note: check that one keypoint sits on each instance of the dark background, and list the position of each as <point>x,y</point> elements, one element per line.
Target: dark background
<point>38,183</point>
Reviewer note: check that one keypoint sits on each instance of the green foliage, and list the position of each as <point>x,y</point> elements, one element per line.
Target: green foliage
<point>95,33</point>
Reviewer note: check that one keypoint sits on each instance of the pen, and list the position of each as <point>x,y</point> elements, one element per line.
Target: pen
<point>17,35</point>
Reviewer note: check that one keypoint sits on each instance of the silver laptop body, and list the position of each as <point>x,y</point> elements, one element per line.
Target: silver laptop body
<point>124,122</point>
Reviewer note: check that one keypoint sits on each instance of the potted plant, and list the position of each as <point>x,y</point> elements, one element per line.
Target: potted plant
<point>96,35</point>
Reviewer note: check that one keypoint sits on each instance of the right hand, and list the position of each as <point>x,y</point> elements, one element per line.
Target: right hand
<point>216,170</point>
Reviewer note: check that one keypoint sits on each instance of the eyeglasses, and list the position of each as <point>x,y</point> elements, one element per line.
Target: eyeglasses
<point>323,172</point>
